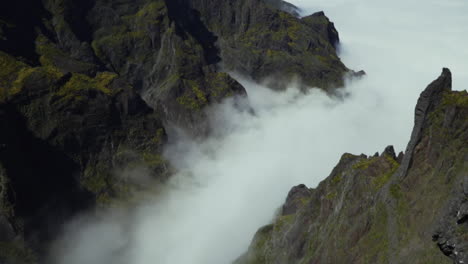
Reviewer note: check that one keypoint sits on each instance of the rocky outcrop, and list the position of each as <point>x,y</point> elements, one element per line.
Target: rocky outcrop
<point>169,51</point>
<point>161,48</point>
<point>274,46</point>
<point>429,99</point>
<point>384,209</point>
<point>63,137</point>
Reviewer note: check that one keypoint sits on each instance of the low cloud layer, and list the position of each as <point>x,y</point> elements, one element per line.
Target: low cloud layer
<point>230,185</point>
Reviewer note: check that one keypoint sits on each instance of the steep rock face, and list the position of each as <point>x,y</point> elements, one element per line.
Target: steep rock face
<point>161,48</point>
<point>88,87</point>
<point>263,42</point>
<point>376,210</point>
<point>63,138</point>
<point>74,125</point>
<point>169,50</point>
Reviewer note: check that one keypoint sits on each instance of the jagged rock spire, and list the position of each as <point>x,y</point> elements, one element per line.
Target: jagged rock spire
<point>428,100</point>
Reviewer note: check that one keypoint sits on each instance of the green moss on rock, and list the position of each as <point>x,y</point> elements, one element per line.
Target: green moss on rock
<point>108,189</point>
<point>381,180</point>
<point>95,179</point>
<point>158,138</point>
<point>18,75</point>
<point>364,163</point>
<point>375,242</point>
<point>9,71</point>
<point>153,160</point>
<point>283,221</point>
<point>455,98</point>
<point>331,195</point>
<point>194,98</point>
<point>53,57</point>
<point>80,82</point>
<point>151,8</point>
<point>337,179</point>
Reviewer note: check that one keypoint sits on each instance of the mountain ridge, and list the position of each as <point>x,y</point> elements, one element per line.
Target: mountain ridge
<point>89,90</point>
<point>384,208</point>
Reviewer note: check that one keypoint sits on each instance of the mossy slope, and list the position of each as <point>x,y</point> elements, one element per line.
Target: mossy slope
<point>64,138</point>
<point>273,45</point>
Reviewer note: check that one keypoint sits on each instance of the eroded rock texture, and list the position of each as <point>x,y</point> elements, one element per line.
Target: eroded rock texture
<point>88,89</point>
<point>384,209</point>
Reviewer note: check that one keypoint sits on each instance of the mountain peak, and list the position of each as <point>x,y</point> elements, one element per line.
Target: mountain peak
<point>374,209</point>
<point>428,101</point>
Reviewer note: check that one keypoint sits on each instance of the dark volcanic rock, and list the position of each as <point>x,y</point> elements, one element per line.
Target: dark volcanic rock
<point>451,232</point>
<point>295,199</point>
<point>374,210</point>
<point>167,54</point>
<point>390,151</point>
<point>88,87</point>
<point>272,45</point>
<point>317,21</point>
<point>62,137</point>
<point>168,50</point>
<point>162,49</point>
<point>429,99</point>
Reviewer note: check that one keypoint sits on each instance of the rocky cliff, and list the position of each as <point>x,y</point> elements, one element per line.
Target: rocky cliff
<point>409,208</point>
<point>257,40</point>
<point>88,89</point>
